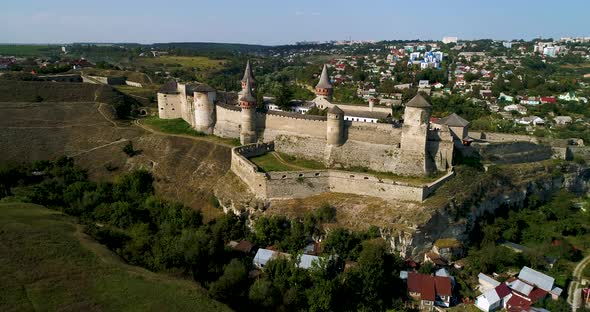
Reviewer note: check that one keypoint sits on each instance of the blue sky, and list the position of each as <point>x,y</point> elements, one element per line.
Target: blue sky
<point>280,21</point>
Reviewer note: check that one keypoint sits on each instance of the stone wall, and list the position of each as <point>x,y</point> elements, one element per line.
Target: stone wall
<point>133,84</point>
<point>169,106</point>
<point>113,81</point>
<point>300,184</point>
<point>501,137</point>
<point>379,133</point>
<point>377,157</point>
<point>228,121</point>
<point>273,124</point>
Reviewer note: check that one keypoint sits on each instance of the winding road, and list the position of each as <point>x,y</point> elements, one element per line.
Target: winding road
<point>574,294</point>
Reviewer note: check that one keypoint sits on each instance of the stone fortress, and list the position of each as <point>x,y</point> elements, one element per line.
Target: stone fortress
<point>417,148</point>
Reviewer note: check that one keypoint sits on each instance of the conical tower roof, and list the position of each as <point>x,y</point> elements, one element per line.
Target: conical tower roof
<point>324,82</point>
<point>418,101</point>
<point>454,120</point>
<point>335,110</point>
<point>247,95</point>
<point>248,73</point>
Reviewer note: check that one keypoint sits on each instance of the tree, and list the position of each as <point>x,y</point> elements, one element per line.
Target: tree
<point>321,295</point>
<point>344,243</point>
<point>283,96</point>
<point>232,283</point>
<point>263,294</point>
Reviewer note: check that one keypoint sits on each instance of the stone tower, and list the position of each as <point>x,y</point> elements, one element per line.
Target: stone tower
<point>415,132</point>
<point>324,87</point>
<point>248,105</point>
<point>335,128</point>
<point>248,74</point>
<point>204,97</point>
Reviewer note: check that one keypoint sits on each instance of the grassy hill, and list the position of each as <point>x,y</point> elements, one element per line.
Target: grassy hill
<point>44,91</point>
<point>186,170</point>
<point>28,49</point>
<point>47,263</point>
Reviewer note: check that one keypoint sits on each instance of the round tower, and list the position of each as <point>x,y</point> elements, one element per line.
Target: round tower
<point>415,132</point>
<point>204,97</point>
<point>324,87</point>
<point>248,105</point>
<point>335,129</point>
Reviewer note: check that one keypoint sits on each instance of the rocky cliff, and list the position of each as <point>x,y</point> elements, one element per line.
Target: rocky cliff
<point>473,194</point>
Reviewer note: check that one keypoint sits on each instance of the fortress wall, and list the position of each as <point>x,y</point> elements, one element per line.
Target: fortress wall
<point>297,184</point>
<point>290,124</point>
<point>432,187</point>
<point>301,147</point>
<point>362,108</point>
<point>228,121</point>
<point>169,106</point>
<point>377,157</point>
<point>373,132</point>
<point>501,137</point>
<point>300,184</point>
<point>247,171</point>
<point>364,184</point>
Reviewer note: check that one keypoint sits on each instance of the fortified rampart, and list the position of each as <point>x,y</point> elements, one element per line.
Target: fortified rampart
<point>299,184</point>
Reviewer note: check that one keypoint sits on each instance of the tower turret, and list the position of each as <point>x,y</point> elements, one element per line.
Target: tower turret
<point>248,105</point>
<point>335,127</point>
<point>248,74</point>
<point>324,87</point>
<point>204,97</point>
<point>415,132</point>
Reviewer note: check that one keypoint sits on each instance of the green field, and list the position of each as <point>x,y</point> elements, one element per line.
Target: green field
<point>282,162</point>
<point>272,162</point>
<point>28,50</point>
<point>48,264</point>
<point>187,62</point>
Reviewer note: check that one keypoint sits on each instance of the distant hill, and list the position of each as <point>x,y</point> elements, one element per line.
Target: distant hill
<point>206,47</point>
<point>49,264</point>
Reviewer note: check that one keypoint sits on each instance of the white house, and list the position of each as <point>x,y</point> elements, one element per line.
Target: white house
<point>570,96</point>
<point>530,101</point>
<point>493,299</point>
<point>562,120</point>
<point>531,120</point>
<point>505,98</point>
<point>515,107</point>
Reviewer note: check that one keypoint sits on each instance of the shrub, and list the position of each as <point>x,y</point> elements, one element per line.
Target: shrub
<point>128,149</point>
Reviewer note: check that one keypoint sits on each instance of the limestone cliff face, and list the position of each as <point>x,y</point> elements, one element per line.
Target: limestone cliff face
<point>458,216</point>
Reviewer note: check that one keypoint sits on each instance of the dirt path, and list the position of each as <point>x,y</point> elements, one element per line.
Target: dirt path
<point>574,296</point>
<point>278,157</point>
<point>138,123</point>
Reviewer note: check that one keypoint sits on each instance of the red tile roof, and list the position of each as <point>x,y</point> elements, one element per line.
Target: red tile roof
<point>428,288</point>
<point>502,290</point>
<point>517,304</point>
<point>414,280</point>
<point>537,294</point>
<point>443,285</point>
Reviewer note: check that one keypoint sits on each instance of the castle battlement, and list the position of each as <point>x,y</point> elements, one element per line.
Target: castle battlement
<point>303,183</point>
<point>419,147</point>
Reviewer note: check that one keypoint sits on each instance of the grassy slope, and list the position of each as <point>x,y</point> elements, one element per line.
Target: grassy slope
<point>179,126</point>
<point>46,263</point>
<point>268,163</point>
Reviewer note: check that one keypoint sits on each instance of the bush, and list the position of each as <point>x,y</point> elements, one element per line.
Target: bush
<point>128,149</point>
